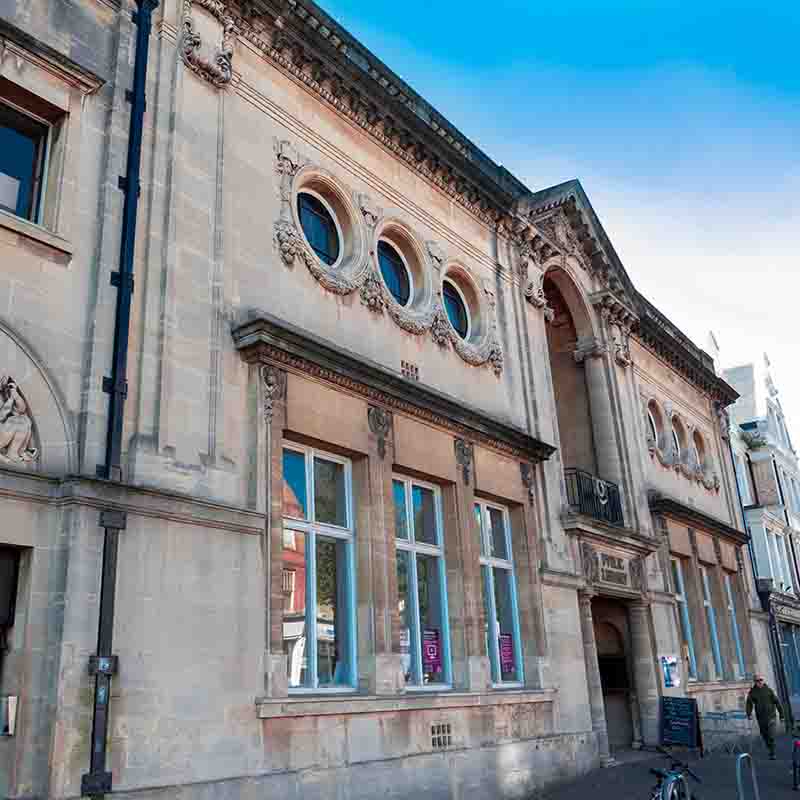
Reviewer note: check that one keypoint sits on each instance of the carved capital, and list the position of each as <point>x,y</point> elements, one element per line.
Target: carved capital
<point>591,348</point>
<point>464,455</point>
<point>210,62</point>
<point>273,383</point>
<point>380,423</point>
<point>17,444</point>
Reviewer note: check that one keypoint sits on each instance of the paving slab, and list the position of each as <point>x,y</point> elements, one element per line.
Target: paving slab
<point>632,780</point>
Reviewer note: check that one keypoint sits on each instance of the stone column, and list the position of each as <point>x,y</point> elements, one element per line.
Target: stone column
<point>593,682</point>
<point>593,354</point>
<point>644,671</point>
<point>272,392</point>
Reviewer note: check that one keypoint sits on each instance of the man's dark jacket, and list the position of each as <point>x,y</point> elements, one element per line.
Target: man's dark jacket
<point>765,702</point>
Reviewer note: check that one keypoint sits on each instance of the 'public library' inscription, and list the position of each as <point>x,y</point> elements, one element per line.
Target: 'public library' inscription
<point>613,569</point>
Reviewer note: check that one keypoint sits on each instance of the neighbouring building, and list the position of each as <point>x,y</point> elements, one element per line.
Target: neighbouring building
<point>393,483</point>
<point>768,477</point>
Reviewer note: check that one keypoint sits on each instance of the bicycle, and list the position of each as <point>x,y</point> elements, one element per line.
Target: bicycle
<point>672,783</point>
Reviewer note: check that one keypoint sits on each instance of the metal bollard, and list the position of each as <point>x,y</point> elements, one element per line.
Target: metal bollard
<point>739,784</point>
<point>796,765</point>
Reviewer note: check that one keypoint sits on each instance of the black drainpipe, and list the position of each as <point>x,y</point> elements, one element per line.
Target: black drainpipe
<point>97,782</point>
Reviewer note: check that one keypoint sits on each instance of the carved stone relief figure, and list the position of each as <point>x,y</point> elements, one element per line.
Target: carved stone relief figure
<point>16,425</point>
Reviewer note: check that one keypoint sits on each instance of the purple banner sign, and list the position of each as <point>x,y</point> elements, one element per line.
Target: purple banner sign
<point>507,663</point>
<point>431,651</point>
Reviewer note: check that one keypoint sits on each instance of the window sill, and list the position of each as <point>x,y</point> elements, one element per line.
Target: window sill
<point>321,706</point>
<point>35,232</point>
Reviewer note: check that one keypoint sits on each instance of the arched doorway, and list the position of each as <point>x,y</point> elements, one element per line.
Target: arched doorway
<point>611,635</point>
<point>569,377</point>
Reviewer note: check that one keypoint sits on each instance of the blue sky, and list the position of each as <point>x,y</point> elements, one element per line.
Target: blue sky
<point>682,121</point>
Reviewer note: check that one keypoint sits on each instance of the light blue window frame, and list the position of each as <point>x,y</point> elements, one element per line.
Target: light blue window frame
<point>683,610</point>
<point>734,624</point>
<point>346,534</point>
<point>711,616</point>
<point>414,548</point>
<point>491,562</point>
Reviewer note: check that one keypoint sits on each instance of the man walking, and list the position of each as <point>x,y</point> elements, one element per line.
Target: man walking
<point>766,703</point>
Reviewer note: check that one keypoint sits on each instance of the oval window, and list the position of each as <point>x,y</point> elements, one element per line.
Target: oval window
<point>456,309</point>
<point>319,227</point>
<point>394,272</point>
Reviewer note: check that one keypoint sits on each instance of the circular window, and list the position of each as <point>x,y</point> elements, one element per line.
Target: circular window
<point>319,227</point>
<point>456,308</point>
<point>395,273</point>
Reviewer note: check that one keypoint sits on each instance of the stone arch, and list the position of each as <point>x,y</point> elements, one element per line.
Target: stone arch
<point>569,288</point>
<point>53,430</point>
<point>610,641</point>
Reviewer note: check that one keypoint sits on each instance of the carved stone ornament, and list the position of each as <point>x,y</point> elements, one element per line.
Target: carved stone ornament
<point>210,63</point>
<point>724,420</point>
<point>464,454</point>
<point>358,271</point>
<point>590,563</point>
<point>16,425</point>
<point>590,348</point>
<point>380,423</point>
<point>619,321</point>
<point>273,381</point>
<point>637,572</point>
<point>527,474</point>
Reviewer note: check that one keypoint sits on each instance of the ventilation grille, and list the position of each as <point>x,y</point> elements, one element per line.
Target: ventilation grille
<point>441,736</point>
<point>409,370</point>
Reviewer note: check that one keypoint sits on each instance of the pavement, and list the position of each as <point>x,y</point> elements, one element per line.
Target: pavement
<point>631,780</point>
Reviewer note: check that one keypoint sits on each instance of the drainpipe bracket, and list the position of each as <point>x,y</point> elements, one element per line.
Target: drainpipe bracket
<point>103,665</point>
<point>95,784</point>
<point>118,280</point>
<point>117,520</point>
<point>109,387</point>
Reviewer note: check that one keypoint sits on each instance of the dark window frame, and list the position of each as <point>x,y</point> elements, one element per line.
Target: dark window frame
<point>311,209</point>
<point>38,132</point>
<point>399,281</point>
<point>450,292</point>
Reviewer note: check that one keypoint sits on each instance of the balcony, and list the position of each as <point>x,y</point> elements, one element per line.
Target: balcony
<point>593,497</point>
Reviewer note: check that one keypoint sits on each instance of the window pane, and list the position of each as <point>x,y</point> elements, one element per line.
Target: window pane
<point>456,312</point>
<point>404,608</point>
<point>319,228</point>
<point>21,139</point>
<point>332,613</point>
<point>394,273</point>
<point>295,496</point>
<point>478,519</point>
<point>295,644</point>
<point>424,515</point>
<point>330,500</point>
<point>507,643</point>
<point>497,534</point>
<point>431,618</point>
<point>400,516</point>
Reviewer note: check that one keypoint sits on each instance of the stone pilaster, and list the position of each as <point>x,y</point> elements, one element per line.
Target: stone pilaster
<point>644,671</point>
<point>272,393</point>
<point>593,683</point>
<point>381,668</point>
<point>471,668</point>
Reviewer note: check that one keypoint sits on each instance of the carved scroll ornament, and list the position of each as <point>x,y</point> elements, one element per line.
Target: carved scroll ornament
<point>16,425</point>
<point>218,68</point>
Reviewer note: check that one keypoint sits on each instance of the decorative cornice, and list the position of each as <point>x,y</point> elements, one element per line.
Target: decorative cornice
<point>663,504</point>
<point>263,338</point>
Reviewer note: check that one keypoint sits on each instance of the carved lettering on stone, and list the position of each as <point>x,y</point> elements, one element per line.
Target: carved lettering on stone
<point>16,425</point>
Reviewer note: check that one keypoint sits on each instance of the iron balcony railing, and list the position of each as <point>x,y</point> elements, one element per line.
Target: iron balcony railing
<point>594,497</point>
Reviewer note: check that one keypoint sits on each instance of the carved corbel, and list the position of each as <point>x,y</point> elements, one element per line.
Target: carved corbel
<point>591,347</point>
<point>380,423</point>
<point>590,563</point>
<point>465,452</point>
<point>436,254</point>
<point>214,65</point>
<point>369,210</point>
<point>527,475</point>
<point>273,385</point>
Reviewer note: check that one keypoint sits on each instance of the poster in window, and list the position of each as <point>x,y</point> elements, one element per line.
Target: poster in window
<point>506,652</point>
<point>671,669</point>
<point>431,651</point>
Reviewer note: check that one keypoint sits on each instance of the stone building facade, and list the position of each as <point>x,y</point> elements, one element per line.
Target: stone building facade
<point>416,493</point>
<point>768,478</point>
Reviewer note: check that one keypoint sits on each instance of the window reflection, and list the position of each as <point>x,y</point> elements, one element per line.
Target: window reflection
<point>330,504</point>
<point>295,496</point>
<point>424,515</point>
<point>404,610</point>
<point>430,616</point>
<point>331,599</point>
<point>294,607</point>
